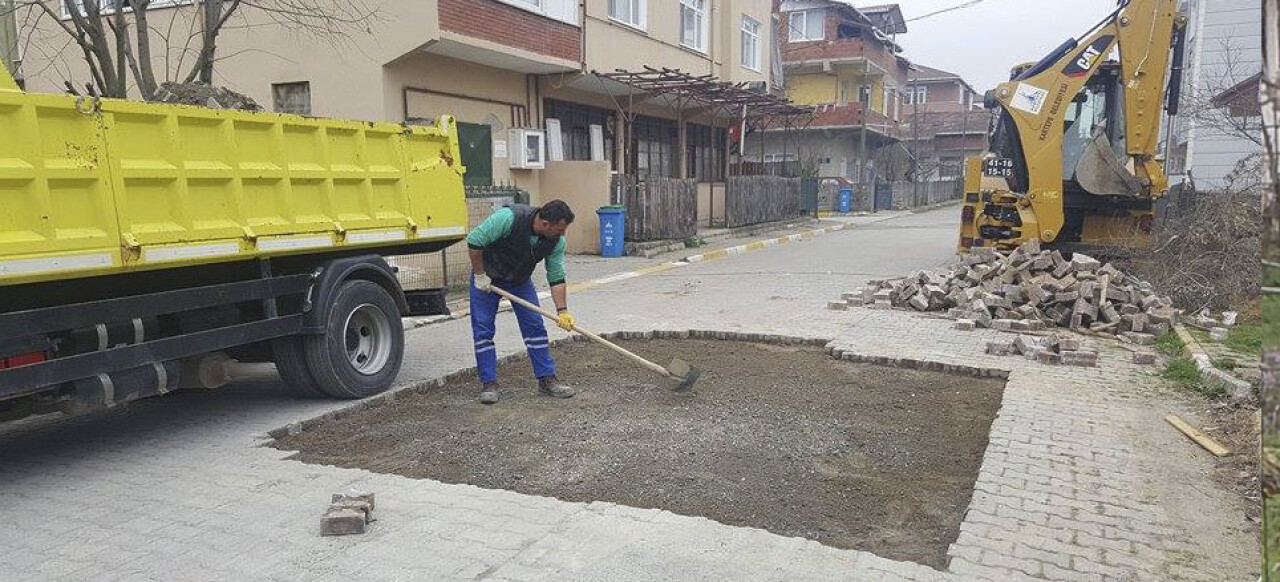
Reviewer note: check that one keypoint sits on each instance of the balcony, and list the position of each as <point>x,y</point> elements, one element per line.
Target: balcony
<point>799,56</point>
<point>851,116</point>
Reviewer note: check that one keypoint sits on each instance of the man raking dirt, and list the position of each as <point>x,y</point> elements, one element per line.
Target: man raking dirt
<point>504,251</point>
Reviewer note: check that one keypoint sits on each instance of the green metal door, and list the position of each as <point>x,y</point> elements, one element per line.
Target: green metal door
<point>477,153</point>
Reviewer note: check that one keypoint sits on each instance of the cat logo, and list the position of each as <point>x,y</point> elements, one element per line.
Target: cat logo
<point>1081,65</point>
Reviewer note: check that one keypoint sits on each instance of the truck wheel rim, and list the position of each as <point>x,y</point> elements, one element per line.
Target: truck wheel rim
<point>368,339</point>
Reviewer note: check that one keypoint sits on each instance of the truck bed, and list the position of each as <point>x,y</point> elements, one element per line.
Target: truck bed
<point>91,187</point>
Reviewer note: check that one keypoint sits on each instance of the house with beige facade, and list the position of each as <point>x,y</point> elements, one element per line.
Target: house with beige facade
<point>845,62</point>
<point>525,79</point>
<point>9,47</point>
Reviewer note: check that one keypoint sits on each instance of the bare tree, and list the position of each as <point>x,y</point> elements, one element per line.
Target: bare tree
<point>119,43</point>
<point>1200,104</point>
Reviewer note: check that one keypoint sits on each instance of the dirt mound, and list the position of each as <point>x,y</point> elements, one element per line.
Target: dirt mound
<point>204,95</point>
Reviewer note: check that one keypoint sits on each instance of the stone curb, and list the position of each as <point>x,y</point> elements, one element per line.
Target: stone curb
<point>1237,388</point>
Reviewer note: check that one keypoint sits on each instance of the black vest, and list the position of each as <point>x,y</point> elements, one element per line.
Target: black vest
<point>512,259</point>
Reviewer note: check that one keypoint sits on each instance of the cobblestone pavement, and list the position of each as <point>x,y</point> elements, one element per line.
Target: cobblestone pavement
<point>180,488</point>
<point>1082,480</point>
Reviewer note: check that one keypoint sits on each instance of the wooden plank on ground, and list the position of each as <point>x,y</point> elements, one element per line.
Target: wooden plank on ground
<point>1200,438</point>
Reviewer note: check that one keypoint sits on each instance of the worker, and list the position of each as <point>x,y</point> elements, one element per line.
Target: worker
<point>504,251</point>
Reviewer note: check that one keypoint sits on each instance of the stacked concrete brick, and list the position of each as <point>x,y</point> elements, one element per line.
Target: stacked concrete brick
<point>1030,290</point>
<point>1051,349</point>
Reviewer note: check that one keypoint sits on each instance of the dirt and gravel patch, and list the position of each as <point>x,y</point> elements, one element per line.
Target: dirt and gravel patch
<point>781,438</point>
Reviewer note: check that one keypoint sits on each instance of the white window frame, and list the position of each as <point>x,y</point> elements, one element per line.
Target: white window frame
<point>922,94</point>
<point>636,18</point>
<point>699,10</point>
<point>105,9</point>
<point>750,55</point>
<point>565,11</point>
<point>802,33</point>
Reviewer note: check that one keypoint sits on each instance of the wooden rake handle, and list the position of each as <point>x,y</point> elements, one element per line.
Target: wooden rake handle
<point>589,335</point>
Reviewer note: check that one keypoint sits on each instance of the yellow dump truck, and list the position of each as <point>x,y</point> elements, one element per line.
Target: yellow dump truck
<point>143,245</point>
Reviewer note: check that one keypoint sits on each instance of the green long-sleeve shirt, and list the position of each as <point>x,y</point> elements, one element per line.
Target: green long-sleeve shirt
<point>498,226</point>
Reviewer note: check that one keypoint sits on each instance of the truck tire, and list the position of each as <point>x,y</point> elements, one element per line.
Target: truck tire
<point>361,350</point>
<point>291,362</point>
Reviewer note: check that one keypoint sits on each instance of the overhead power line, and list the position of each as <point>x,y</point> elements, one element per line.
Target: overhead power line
<point>968,4</point>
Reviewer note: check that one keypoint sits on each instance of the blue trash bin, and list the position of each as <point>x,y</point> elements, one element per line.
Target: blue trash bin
<point>845,204</point>
<point>613,228</point>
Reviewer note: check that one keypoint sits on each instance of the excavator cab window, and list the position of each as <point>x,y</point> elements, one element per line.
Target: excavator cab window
<point>1095,109</point>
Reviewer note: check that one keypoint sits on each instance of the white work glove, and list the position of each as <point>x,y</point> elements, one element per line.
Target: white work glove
<point>481,282</point>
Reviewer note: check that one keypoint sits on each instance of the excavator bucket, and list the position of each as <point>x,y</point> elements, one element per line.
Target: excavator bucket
<point>1100,173</point>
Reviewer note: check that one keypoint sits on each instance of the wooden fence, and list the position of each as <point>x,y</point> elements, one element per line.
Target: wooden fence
<point>757,199</point>
<point>658,208</point>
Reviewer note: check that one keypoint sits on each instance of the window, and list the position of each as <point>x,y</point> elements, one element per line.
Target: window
<point>750,43</point>
<point>291,98</point>
<point>630,12</point>
<point>575,128</point>
<point>654,145</point>
<point>848,31</point>
<point>693,24</point>
<point>108,6</point>
<point>864,95</point>
<point>918,95</point>
<point>706,153</point>
<point>807,25</point>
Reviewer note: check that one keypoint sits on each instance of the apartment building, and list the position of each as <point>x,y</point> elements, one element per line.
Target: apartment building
<point>844,61</point>
<point>934,91</point>
<point>942,123</point>
<point>1223,50</point>
<point>508,70</point>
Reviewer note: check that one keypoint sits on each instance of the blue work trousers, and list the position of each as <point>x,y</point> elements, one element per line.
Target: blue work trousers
<point>484,312</point>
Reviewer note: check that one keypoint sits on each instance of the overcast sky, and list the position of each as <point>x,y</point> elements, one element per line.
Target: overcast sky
<point>981,43</point>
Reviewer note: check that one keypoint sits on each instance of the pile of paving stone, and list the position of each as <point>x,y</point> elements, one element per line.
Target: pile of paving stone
<point>1029,290</point>
<point>1050,349</point>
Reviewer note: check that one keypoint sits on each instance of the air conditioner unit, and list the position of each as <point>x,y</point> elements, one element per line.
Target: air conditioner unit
<point>528,150</point>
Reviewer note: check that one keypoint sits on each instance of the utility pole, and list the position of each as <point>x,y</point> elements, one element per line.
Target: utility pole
<point>915,142</point>
<point>862,148</point>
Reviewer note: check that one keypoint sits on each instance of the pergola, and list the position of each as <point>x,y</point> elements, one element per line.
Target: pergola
<point>686,91</point>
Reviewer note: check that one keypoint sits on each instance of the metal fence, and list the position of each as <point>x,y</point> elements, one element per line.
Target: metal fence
<point>451,268</point>
<point>757,199</point>
<point>915,194</point>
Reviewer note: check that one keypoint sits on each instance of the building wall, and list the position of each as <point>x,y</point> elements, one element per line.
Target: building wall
<point>256,53</point>
<point>1223,48</point>
<point>813,88</point>
<point>615,45</point>
<point>833,153</point>
<point>503,23</point>
<point>9,47</point>
<point>584,187</point>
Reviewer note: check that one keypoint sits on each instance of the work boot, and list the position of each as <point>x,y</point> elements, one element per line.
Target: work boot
<point>490,393</point>
<point>552,387</point>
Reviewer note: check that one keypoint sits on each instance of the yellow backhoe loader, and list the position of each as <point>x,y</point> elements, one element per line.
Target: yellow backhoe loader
<point>1072,154</point>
